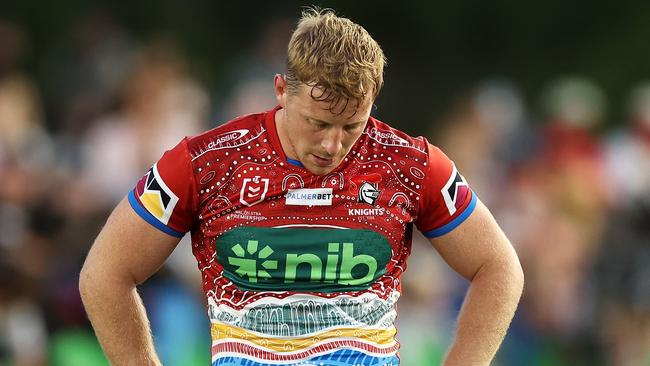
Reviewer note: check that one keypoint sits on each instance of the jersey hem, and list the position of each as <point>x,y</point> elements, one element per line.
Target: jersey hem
<point>151,219</point>
<point>455,222</point>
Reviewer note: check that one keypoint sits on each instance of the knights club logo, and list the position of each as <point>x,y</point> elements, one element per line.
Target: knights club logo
<point>368,193</point>
<point>253,190</point>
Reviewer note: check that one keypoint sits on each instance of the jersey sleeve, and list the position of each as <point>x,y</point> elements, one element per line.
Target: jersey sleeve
<point>446,200</point>
<point>166,195</point>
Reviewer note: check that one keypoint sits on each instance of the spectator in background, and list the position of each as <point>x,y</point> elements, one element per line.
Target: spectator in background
<point>26,152</point>
<point>622,271</point>
<point>84,74</point>
<point>628,151</point>
<point>23,336</point>
<point>560,201</point>
<point>622,274</point>
<point>253,69</point>
<point>49,202</point>
<point>25,147</point>
<point>489,123</point>
<point>161,103</point>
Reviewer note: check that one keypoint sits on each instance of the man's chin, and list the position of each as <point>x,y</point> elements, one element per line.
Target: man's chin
<point>319,170</point>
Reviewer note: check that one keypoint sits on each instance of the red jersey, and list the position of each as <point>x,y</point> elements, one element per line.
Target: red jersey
<point>298,267</point>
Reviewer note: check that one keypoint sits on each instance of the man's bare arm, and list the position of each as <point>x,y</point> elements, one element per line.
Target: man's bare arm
<point>127,251</point>
<point>479,251</point>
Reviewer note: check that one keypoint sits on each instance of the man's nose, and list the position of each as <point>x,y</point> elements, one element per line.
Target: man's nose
<point>333,141</point>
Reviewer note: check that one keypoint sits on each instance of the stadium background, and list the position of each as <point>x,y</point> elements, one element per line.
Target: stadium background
<point>544,106</point>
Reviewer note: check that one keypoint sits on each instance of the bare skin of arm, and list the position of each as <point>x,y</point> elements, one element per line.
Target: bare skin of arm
<point>127,251</point>
<point>479,251</point>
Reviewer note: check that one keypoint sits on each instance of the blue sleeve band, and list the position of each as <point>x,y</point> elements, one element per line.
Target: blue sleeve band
<point>455,222</point>
<point>151,219</point>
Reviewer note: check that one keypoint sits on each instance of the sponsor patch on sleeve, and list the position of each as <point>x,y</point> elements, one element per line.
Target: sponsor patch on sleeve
<point>156,196</point>
<point>455,191</point>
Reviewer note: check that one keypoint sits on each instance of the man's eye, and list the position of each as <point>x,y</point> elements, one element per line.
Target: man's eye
<point>351,127</point>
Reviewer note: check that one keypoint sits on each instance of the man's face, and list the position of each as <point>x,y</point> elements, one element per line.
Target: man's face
<point>315,133</point>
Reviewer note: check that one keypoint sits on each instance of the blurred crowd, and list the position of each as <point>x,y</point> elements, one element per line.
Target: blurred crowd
<point>573,196</point>
<point>570,188</point>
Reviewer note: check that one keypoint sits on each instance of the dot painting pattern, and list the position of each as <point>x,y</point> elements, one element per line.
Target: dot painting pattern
<point>255,213</point>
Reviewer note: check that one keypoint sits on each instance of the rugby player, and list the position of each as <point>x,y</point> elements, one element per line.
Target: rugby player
<point>301,221</point>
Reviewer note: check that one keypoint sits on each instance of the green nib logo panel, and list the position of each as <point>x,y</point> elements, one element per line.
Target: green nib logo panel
<point>303,259</point>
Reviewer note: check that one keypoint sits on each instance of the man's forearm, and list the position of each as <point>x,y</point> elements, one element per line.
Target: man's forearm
<point>120,321</point>
<point>486,314</point>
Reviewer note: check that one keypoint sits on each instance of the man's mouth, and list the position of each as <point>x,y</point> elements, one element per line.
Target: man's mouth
<point>322,162</point>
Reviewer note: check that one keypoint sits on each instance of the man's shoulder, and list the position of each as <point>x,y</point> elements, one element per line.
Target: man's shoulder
<point>236,132</point>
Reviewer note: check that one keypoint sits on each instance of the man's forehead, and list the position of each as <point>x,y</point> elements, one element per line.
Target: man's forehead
<point>330,105</point>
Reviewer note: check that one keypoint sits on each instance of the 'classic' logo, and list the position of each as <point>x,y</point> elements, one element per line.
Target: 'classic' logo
<point>227,137</point>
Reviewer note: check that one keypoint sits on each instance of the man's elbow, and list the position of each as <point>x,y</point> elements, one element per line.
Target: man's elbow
<point>506,273</point>
<point>101,278</point>
<point>94,280</point>
<point>516,275</point>
<point>87,282</point>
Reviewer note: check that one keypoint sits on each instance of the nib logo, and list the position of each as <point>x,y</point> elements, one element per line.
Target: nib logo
<point>302,259</point>
<point>247,266</point>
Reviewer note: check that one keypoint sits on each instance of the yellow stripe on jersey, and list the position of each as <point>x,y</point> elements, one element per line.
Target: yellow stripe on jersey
<point>380,337</point>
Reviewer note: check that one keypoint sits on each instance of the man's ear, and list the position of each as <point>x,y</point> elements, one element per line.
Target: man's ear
<point>280,86</point>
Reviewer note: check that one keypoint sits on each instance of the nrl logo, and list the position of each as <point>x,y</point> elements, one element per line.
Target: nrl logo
<point>368,193</point>
<point>253,190</point>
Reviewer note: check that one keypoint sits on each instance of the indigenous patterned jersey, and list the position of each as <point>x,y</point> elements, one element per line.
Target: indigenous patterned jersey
<point>299,268</point>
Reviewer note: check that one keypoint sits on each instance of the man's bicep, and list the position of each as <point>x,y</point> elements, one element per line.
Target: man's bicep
<point>474,243</point>
<point>128,248</point>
